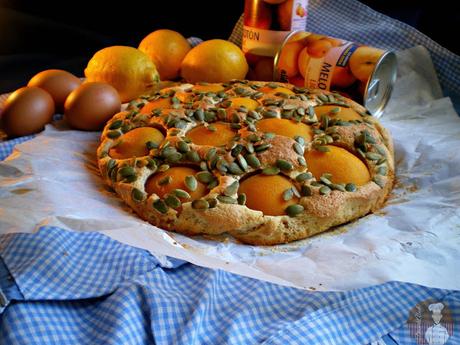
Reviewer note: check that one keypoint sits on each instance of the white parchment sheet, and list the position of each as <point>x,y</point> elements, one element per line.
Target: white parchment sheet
<point>53,180</point>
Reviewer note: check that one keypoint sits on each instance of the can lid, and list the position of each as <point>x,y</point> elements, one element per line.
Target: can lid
<point>380,84</point>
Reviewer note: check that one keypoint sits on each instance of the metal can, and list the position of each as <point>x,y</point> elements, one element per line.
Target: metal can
<point>267,23</point>
<point>363,73</point>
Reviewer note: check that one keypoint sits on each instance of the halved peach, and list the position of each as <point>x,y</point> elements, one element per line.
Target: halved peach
<point>175,178</point>
<point>285,128</point>
<point>134,143</point>
<point>265,193</point>
<point>160,103</point>
<point>344,166</point>
<point>218,135</point>
<point>336,112</point>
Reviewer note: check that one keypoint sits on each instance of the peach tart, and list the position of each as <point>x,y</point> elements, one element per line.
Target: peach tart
<point>267,163</point>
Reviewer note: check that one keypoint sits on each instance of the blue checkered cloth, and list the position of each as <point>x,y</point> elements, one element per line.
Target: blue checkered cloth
<point>62,287</point>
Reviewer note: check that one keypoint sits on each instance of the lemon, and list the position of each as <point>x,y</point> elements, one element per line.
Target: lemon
<point>214,61</point>
<point>127,69</point>
<point>167,49</point>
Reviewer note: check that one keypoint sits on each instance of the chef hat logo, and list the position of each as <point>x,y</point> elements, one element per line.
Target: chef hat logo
<point>436,308</point>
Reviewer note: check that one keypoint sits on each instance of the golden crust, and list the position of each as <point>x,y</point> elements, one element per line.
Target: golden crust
<point>222,213</point>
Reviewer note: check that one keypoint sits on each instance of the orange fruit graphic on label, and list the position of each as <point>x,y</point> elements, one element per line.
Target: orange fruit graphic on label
<point>363,60</point>
<point>288,60</point>
<point>342,77</point>
<point>319,48</point>
<point>303,61</point>
<point>167,49</point>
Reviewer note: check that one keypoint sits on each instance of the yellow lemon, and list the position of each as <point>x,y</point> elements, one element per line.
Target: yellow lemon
<point>214,61</point>
<point>127,69</point>
<point>167,49</point>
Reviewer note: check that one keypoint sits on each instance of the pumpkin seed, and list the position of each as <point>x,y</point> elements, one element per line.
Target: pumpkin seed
<point>237,150</point>
<point>270,114</point>
<point>211,128</point>
<point>209,116</point>
<point>113,174</point>
<point>160,206</point>
<point>253,161</point>
<point>180,193</point>
<point>203,166</point>
<point>294,210</point>
<point>271,171</point>
<point>379,181</point>
<point>250,147</point>
<point>191,183</point>
<point>226,104</point>
<point>257,95</point>
<point>373,156</point>
<point>253,114</point>
<point>233,168</point>
<point>303,177</point>
<point>193,156</point>
<point>262,147</point>
<point>241,199</point>
<point>289,106</point>
<point>137,195</point>
<point>127,171</point>
<point>253,137</point>
<point>200,204</point>
<point>221,114</point>
<point>113,134</point>
<point>232,188</point>
<point>199,114</point>
<point>338,186</point>
<point>111,164</point>
<point>235,126</point>
<point>151,145</point>
<point>322,148</point>
<point>151,164</point>
<point>165,181</point>
<point>324,190</point>
<point>226,199</point>
<point>301,111</point>
<point>350,187</point>
<point>214,183</point>
<point>382,170</point>
<point>298,148</point>
<point>325,180</point>
<point>211,154</point>
<point>212,202</point>
<point>380,150</point>
<point>116,124</point>
<point>242,163</point>
<point>311,111</point>
<point>300,140</point>
<point>306,191</point>
<point>284,165</point>
<point>323,98</point>
<point>269,135</point>
<point>302,161</point>
<point>173,157</point>
<point>288,194</point>
<point>172,201</point>
<point>204,176</point>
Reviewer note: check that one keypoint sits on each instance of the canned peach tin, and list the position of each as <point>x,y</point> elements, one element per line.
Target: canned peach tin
<point>267,23</point>
<point>363,73</point>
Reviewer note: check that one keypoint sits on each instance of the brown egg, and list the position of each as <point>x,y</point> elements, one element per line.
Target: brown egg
<point>27,111</point>
<point>90,106</point>
<point>58,83</point>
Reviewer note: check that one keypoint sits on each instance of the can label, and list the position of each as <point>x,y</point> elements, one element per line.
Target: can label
<point>327,63</point>
<point>267,23</point>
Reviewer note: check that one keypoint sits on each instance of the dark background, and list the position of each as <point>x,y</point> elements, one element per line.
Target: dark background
<point>37,35</point>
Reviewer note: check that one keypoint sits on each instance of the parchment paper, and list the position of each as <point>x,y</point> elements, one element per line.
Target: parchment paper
<point>53,180</point>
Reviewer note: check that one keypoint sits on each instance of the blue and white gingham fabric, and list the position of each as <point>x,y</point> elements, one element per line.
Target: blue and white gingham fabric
<point>85,288</point>
<point>62,287</point>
